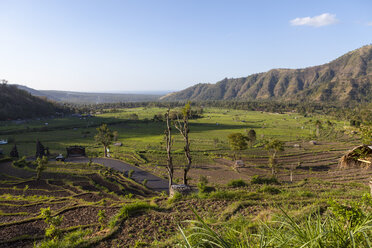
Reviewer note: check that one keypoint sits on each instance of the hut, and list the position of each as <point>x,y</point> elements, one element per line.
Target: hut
<point>239,164</point>
<point>360,156</point>
<point>75,151</point>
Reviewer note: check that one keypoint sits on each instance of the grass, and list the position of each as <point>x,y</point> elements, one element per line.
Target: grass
<point>247,204</point>
<point>128,210</point>
<point>217,123</point>
<point>318,230</point>
<point>237,183</point>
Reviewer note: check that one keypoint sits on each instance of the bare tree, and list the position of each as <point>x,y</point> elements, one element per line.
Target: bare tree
<point>184,129</point>
<point>168,138</point>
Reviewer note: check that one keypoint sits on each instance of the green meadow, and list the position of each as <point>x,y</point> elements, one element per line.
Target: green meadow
<point>208,133</point>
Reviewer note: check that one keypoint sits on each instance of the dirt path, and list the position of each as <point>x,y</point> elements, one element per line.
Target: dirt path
<point>154,182</point>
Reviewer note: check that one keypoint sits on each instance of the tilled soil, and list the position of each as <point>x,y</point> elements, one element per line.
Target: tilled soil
<point>90,197</point>
<point>85,215</point>
<point>159,225</point>
<point>32,228</point>
<point>32,192</point>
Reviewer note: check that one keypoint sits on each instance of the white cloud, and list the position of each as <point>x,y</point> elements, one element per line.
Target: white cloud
<point>316,21</point>
<point>369,24</point>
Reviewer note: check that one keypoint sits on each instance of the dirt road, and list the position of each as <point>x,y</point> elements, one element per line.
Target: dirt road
<point>153,182</point>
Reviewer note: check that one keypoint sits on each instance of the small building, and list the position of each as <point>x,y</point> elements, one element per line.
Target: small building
<point>239,164</point>
<point>75,151</point>
<point>360,156</point>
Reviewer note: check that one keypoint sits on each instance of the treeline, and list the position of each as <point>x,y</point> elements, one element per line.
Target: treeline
<point>19,104</point>
<point>351,111</point>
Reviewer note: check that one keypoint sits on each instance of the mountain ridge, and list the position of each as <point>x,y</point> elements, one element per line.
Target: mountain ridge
<point>17,103</point>
<point>345,78</point>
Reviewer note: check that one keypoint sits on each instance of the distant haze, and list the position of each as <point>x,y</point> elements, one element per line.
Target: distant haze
<point>160,93</point>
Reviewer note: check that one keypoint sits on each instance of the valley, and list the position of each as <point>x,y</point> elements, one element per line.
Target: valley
<point>136,216</point>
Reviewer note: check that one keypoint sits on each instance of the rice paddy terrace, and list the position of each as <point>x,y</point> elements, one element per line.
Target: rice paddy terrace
<point>136,216</point>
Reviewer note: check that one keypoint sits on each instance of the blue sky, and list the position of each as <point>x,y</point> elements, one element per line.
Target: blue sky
<point>107,45</point>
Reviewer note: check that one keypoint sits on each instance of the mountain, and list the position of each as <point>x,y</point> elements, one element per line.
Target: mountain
<point>346,78</point>
<point>16,103</point>
<point>90,98</point>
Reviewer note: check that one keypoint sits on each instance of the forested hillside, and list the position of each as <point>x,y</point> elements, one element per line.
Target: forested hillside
<point>348,78</point>
<point>16,103</point>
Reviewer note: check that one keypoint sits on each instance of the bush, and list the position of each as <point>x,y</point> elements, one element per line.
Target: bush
<point>72,239</point>
<point>20,163</point>
<point>52,231</point>
<point>130,173</point>
<point>203,185</point>
<point>6,159</point>
<point>101,218</point>
<point>256,179</point>
<point>176,197</point>
<point>237,183</point>
<point>270,189</point>
<point>127,211</point>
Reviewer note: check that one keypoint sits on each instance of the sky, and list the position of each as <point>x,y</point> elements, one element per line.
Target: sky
<point>163,45</point>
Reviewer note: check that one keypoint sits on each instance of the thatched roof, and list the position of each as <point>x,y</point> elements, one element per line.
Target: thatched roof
<point>239,163</point>
<point>360,156</point>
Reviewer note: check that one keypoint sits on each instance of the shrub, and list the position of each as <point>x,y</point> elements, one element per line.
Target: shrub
<point>352,214</point>
<point>21,162</point>
<point>72,239</point>
<point>256,179</point>
<point>130,173</point>
<point>52,231</point>
<point>203,185</point>
<point>270,189</point>
<point>225,195</point>
<point>237,183</point>
<point>176,197</point>
<point>128,210</point>
<point>5,159</point>
<point>101,218</point>
<point>305,193</point>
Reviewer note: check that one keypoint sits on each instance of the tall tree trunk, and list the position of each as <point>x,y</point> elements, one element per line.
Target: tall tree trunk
<point>185,176</point>
<point>184,130</point>
<point>189,161</point>
<point>168,138</point>
<point>105,147</point>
